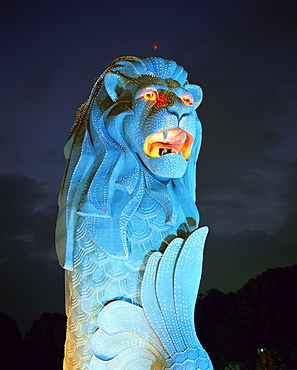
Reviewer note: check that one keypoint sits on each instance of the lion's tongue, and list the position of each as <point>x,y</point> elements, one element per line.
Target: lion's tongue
<point>168,141</point>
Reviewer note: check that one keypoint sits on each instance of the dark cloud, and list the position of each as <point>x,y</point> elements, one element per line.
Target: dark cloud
<point>248,115</point>
<point>31,280</point>
<point>27,218</point>
<point>230,260</point>
<point>252,195</point>
<point>30,286</point>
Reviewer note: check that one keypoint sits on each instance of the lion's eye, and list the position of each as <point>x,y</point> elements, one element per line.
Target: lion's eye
<point>149,95</point>
<point>187,99</point>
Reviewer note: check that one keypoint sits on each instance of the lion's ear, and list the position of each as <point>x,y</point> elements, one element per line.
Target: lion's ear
<point>196,92</point>
<point>114,84</point>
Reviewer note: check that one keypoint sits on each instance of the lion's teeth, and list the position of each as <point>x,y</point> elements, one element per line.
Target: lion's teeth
<point>165,135</point>
<point>184,136</point>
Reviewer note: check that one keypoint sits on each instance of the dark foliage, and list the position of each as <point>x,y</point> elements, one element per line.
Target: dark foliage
<point>44,343</point>
<point>11,343</point>
<point>262,314</point>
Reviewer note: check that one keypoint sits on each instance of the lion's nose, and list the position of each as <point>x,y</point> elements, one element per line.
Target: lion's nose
<point>180,113</point>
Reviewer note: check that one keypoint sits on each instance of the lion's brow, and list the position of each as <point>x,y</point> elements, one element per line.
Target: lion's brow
<point>172,83</point>
<point>152,80</point>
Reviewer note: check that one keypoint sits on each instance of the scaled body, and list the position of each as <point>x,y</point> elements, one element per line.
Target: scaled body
<point>128,193</point>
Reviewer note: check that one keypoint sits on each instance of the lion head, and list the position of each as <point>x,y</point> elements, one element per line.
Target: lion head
<point>138,125</point>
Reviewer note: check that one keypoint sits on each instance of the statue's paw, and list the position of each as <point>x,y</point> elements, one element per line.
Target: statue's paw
<point>169,291</point>
<point>160,334</point>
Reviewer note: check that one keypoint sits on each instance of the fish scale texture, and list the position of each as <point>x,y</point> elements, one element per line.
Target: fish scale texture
<point>126,230</point>
<point>98,278</point>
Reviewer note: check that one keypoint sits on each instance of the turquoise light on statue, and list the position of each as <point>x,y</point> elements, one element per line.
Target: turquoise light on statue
<point>127,230</point>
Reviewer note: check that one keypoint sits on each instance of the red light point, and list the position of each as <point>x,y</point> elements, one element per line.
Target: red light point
<point>155,46</point>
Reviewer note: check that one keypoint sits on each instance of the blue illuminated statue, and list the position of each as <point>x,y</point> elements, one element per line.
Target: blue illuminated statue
<point>127,226</point>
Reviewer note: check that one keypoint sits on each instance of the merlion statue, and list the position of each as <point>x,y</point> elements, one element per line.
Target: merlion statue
<point>127,226</point>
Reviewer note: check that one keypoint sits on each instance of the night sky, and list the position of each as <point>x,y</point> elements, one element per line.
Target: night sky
<point>244,56</point>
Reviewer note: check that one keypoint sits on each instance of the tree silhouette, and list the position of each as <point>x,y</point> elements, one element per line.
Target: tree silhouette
<point>269,359</point>
<point>11,343</point>
<point>44,343</point>
<point>262,314</point>
<point>211,310</point>
<point>268,303</point>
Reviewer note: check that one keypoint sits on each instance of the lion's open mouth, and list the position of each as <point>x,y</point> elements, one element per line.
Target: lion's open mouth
<point>168,141</point>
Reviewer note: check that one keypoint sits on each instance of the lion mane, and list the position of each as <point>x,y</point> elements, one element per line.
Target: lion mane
<point>105,179</point>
